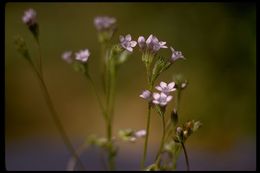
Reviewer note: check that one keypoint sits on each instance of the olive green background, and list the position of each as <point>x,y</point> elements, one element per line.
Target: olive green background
<point>217,39</point>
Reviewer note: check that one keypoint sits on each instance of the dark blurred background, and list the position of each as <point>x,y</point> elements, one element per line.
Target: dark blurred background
<point>218,41</point>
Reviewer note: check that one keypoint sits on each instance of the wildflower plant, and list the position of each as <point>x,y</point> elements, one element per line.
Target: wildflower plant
<point>158,98</point>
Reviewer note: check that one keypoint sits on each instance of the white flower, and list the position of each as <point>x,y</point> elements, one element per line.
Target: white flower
<point>166,88</point>
<point>29,17</point>
<point>161,99</point>
<point>176,55</point>
<point>66,56</point>
<point>147,95</point>
<point>82,55</point>
<point>127,43</point>
<point>140,133</point>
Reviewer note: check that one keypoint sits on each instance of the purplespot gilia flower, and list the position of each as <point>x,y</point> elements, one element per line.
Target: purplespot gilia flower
<point>127,43</point>
<point>152,43</point>
<point>161,99</point>
<point>29,17</point>
<point>104,22</point>
<point>67,56</point>
<point>82,55</point>
<point>166,88</point>
<point>176,55</point>
<point>147,95</point>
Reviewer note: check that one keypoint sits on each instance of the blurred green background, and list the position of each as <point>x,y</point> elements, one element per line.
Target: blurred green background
<point>217,39</point>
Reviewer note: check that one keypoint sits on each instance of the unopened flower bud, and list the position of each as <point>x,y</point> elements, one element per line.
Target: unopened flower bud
<point>174,117</point>
<point>179,130</point>
<point>185,133</point>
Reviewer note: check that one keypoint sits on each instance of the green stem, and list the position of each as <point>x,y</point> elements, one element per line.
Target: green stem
<point>186,156</point>
<point>147,135</point>
<point>176,155</point>
<point>96,93</point>
<point>110,100</point>
<point>158,156</point>
<point>40,56</point>
<point>178,92</point>
<point>55,116</point>
<point>150,86</point>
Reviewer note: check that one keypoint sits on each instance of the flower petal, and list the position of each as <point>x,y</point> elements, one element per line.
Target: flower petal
<point>130,49</point>
<point>169,98</point>
<point>171,85</point>
<point>156,96</point>
<point>163,103</point>
<point>158,88</point>
<point>163,95</point>
<point>121,38</point>
<point>163,84</point>
<point>156,102</point>
<point>149,39</point>
<point>141,39</point>
<point>133,43</point>
<point>128,37</point>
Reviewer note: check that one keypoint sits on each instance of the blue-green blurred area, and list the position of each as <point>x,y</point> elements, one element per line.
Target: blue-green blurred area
<point>217,39</point>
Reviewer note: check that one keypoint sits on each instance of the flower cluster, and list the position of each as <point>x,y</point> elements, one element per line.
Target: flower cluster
<point>184,131</point>
<point>162,98</point>
<point>152,44</point>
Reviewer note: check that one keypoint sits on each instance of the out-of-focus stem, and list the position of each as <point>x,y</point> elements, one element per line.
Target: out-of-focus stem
<point>147,135</point>
<point>158,156</point>
<point>55,116</point>
<point>186,156</point>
